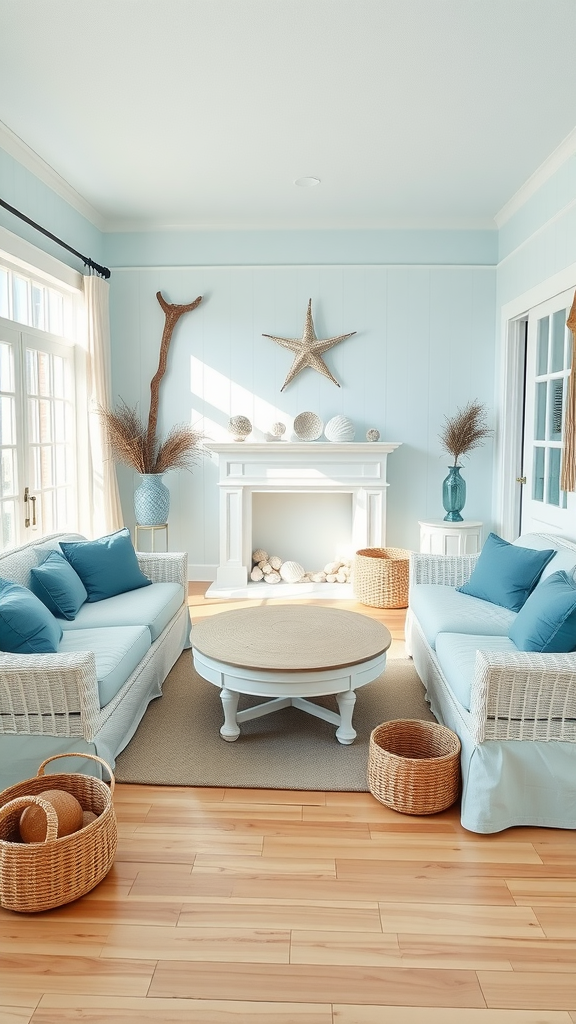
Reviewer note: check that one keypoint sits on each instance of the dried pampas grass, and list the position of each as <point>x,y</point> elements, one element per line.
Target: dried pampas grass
<point>127,438</point>
<point>465,431</point>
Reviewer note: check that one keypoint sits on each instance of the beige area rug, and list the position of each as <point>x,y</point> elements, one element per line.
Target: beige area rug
<point>178,741</point>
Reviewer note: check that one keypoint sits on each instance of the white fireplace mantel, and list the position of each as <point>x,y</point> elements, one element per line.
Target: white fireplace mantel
<point>286,466</point>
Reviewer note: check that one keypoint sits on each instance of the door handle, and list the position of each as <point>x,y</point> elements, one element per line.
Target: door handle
<point>520,479</point>
<point>29,499</point>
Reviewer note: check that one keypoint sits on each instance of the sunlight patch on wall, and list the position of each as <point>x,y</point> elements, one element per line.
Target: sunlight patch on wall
<point>222,395</point>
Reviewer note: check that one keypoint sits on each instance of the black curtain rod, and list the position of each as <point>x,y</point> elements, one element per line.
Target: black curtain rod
<point>103,271</point>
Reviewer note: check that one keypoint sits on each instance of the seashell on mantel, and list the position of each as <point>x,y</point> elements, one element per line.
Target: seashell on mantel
<point>339,430</point>
<point>240,427</point>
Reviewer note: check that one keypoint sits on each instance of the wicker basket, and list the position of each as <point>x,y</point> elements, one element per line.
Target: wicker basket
<point>40,876</point>
<point>414,766</point>
<point>380,577</point>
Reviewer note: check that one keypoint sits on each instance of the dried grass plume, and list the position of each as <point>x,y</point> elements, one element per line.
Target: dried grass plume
<point>464,431</point>
<point>127,436</point>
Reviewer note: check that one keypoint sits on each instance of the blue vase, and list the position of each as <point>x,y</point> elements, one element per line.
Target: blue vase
<point>453,495</point>
<point>151,501</point>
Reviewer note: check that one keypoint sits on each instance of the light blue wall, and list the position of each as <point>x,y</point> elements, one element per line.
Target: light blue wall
<point>25,192</point>
<point>539,240</point>
<point>424,346</point>
<point>422,304</point>
<point>279,248</point>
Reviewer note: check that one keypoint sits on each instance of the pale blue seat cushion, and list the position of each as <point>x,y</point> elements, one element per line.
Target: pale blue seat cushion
<point>457,655</point>
<point>118,650</point>
<point>151,606</point>
<point>442,609</point>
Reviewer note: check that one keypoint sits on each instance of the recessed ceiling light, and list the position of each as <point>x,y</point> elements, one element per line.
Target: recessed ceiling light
<point>307,182</point>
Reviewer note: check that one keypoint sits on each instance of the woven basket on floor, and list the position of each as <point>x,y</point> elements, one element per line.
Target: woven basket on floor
<point>380,577</point>
<point>40,876</point>
<point>414,766</point>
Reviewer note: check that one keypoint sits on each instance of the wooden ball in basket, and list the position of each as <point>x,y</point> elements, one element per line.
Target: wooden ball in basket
<point>33,822</point>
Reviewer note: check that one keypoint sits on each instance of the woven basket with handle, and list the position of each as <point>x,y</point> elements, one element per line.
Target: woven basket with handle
<point>414,766</point>
<point>380,577</point>
<point>40,876</point>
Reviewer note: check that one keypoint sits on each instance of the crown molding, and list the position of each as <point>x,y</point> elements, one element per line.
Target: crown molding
<point>15,147</point>
<point>551,164</point>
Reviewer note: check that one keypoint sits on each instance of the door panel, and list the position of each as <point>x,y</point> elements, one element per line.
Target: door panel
<point>548,360</point>
<point>37,436</point>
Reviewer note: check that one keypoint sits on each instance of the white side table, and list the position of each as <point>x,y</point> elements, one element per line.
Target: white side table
<point>438,537</point>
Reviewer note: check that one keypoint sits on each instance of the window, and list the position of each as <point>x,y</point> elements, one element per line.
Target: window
<point>38,489</point>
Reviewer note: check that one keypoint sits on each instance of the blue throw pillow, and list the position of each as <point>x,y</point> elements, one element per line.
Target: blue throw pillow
<point>58,586</point>
<point>547,621</point>
<point>505,574</point>
<point>26,625</point>
<point>107,566</point>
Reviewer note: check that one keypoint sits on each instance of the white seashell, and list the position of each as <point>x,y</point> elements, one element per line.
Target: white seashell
<point>266,568</point>
<point>275,561</point>
<point>308,426</point>
<point>259,556</point>
<point>278,429</point>
<point>373,434</point>
<point>341,577</point>
<point>318,577</point>
<point>340,429</point>
<point>256,574</point>
<point>239,427</point>
<point>272,577</point>
<point>332,567</point>
<point>291,572</point>
<point>331,577</point>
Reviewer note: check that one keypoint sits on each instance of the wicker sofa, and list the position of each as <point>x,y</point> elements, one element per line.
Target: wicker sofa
<point>91,694</point>
<point>513,710</point>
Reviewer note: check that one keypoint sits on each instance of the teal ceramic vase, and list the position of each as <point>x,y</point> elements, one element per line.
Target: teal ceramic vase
<point>453,495</point>
<point>151,500</point>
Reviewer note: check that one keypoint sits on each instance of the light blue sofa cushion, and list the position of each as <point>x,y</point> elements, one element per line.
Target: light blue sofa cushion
<point>58,586</point>
<point>441,609</point>
<point>151,606</point>
<point>456,653</point>
<point>107,566</point>
<point>505,574</point>
<point>547,621</point>
<point>118,650</point>
<point>26,624</point>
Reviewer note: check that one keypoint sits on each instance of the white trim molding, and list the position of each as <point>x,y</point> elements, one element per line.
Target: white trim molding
<point>30,258</point>
<point>17,148</point>
<point>550,165</point>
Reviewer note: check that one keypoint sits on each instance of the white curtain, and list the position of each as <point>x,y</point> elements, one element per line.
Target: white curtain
<point>106,511</point>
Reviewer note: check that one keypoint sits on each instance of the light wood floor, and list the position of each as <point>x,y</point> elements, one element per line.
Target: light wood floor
<point>262,907</point>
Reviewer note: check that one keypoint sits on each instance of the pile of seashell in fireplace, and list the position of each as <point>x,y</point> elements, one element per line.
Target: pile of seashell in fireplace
<point>272,569</point>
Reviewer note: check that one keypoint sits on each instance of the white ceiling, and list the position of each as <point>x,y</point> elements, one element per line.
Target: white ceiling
<point>201,113</point>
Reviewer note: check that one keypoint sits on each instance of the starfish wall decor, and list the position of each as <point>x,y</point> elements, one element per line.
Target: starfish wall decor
<point>308,349</point>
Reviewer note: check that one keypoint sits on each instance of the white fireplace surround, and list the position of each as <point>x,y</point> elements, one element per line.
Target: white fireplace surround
<point>246,468</point>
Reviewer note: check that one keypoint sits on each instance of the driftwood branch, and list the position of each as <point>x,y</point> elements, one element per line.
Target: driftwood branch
<point>172,313</point>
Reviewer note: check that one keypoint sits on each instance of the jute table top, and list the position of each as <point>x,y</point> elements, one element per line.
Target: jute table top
<point>290,638</point>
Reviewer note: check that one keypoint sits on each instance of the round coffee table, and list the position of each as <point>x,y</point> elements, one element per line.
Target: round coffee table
<point>289,653</point>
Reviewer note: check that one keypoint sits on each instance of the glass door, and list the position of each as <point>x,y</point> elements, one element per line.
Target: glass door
<point>549,357</point>
<point>37,436</point>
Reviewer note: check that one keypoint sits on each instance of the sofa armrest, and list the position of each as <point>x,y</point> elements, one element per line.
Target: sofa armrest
<point>524,696</point>
<point>449,570</point>
<point>165,567</point>
<point>49,694</point>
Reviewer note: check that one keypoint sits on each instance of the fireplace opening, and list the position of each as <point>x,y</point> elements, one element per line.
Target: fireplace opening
<point>308,527</point>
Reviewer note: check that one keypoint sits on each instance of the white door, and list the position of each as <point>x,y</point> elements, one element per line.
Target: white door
<point>37,435</point>
<point>548,360</point>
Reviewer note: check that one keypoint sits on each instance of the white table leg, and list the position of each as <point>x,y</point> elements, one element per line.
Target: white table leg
<point>230,730</point>
<point>346,701</point>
